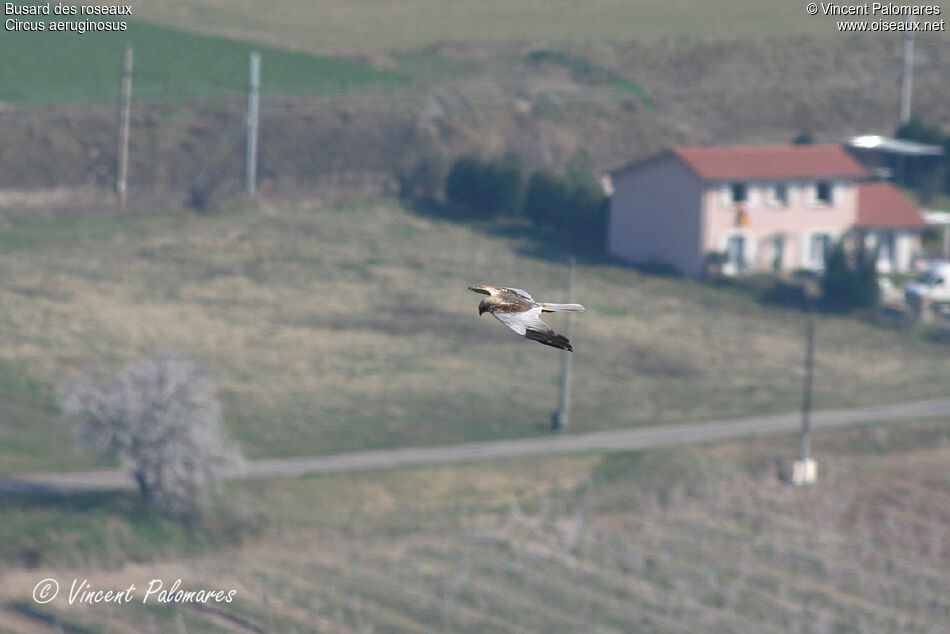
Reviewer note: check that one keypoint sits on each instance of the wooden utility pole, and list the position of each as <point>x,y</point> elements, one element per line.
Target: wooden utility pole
<point>946,241</point>
<point>805,452</point>
<point>253,115</point>
<point>125,115</point>
<point>907,75</point>
<point>804,470</point>
<point>561,417</point>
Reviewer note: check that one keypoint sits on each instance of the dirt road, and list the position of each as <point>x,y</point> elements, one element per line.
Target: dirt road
<point>614,440</point>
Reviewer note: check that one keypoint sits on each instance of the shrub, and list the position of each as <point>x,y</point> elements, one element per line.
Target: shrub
<point>927,175</point>
<point>161,419</point>
<point>548,199</point>
<point>423,181</point>
<point>575,204</point>
<point>850,279</point>
<point>486,188</point>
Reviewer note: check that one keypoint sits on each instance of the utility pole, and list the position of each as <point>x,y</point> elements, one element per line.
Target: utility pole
<point>125,115</point>
<point>804,470</point>
<point>907,74</point>
<point>946,241</point>
<point>560,418</point>
<point>253,114</point>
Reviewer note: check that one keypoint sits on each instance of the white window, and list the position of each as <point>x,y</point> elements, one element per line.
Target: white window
<point>735,253</point>
<point>739,247</point>
<point>738,193</point>
<point>777,252</point>
<point>822,194</point>
<point>778,195</point>
<point>886,251</point>
<point>818,246</point>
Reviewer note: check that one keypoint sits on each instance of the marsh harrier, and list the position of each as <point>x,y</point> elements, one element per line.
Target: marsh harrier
<point>518,310</point>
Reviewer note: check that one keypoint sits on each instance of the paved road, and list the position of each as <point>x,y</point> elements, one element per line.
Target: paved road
<point>616,440</point>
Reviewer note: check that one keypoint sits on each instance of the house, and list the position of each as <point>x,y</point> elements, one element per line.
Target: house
<point>758,208</point>
<point>891,223</point>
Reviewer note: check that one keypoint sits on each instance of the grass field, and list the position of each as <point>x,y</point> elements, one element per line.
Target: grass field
<point>168,63</point>
<point>378,26</point>
<point>201,47</point>
<point>335,327</point>
<point>665,541</point>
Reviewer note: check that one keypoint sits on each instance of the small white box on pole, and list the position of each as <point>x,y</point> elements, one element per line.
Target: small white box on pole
<point>804,472</point>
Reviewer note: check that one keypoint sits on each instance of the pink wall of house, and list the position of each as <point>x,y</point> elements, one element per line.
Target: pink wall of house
<point>767,218</point>
<point>655,214</point>
<point>766,208</point>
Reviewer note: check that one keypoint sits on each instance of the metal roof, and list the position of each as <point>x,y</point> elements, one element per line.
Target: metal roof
<point>894,146</point>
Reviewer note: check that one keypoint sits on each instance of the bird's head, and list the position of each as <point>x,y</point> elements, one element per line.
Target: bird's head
<point>482,307</point>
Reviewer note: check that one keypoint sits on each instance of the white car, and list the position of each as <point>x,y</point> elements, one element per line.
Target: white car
<point>933,285</point>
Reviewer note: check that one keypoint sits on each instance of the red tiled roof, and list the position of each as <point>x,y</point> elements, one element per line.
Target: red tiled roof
<point>881,205</point>
<point>770,161</point>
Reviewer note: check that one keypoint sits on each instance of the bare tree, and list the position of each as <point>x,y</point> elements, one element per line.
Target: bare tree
<point>161,418</point>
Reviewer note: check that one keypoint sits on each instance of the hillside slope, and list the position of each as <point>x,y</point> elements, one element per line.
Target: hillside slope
<point>333,327</point>
<point>546,103</point>
<point>666,541</point>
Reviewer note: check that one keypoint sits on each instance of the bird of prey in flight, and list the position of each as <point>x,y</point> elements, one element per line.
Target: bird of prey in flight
<point>518,310</point>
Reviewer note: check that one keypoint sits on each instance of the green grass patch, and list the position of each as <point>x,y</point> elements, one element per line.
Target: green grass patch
<point>111,529</point>
<point>18,386</point>
<point>20,232</point>
<point>61,67</point>
<point>379,26</point>
<point>585,71</point>
<point>30,435</point>
<point>334,328</point>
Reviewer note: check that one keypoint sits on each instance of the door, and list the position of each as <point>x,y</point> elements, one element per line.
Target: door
<point>735,254</point>
<point>778,253</point>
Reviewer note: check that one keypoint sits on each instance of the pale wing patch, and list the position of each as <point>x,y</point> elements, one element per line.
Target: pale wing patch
<point>524,321</point>
<point>521,292</point>
<point>480,288</point>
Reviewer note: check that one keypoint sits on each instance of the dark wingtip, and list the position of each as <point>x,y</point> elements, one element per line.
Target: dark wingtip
<point>550,339</point>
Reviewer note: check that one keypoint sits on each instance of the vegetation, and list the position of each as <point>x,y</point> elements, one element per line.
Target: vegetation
<point>573,203</point>
<point>28,430</point>
<point>928,176</point>
<point>486,188</point>
<point>660,541</point>
<point>850,279</point>
<point>161,418</point>
<point>586,71</point>
<point>337,327</point>
<point>168,63</point>
<point>367,25</point>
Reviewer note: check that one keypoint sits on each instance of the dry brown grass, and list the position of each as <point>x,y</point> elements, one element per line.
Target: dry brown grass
<point>373,26</point>
<point>670,541</point>
<point>339,327</point>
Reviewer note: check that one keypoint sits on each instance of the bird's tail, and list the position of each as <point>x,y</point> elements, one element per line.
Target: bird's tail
<point>562,308</point>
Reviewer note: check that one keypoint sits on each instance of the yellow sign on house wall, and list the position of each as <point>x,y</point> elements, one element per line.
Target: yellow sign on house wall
<point>742,216</point>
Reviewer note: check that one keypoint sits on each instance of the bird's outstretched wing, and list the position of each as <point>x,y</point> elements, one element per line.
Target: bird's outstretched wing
<point>484,289</point>
<point>528,323</point>
<point>500,291</point>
